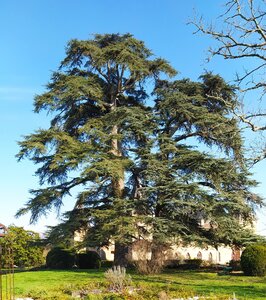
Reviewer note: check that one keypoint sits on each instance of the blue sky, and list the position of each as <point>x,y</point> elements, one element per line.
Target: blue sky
<point>33,39</point>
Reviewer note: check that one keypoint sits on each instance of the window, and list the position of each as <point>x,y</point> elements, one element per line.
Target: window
<point>199,255</point>
<point>210,257</point>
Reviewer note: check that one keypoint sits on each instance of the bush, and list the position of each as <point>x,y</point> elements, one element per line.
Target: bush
<point>192,264</point>
<point>107,264</point>
<point>235,265</point>
<point>253,260</point>
<point>58,258</point>
<point>117,279</point>
<point>173,263</point>
<point>89,260</point>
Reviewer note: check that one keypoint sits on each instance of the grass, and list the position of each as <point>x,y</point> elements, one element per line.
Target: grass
<point>59,284</point>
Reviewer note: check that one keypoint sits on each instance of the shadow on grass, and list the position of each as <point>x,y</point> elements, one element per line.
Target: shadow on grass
<point>209,284</point>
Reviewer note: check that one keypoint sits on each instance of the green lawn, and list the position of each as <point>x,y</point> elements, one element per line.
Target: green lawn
<point>59,284</point>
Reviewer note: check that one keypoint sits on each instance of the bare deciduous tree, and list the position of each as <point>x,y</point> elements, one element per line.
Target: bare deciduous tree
<point>242,36</point>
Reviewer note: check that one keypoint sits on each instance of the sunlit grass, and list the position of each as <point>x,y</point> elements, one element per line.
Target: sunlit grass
<point>58,285</point>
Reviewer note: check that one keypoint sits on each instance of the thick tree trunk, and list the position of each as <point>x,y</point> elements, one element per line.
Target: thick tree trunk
<point>120,257</point>
<point>158,258</point>
<point>118,183</point>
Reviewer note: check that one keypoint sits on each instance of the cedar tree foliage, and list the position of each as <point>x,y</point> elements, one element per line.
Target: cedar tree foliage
<point>141,170</point>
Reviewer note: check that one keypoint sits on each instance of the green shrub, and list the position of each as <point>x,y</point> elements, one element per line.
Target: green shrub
<point>58,258</point>
<point>235,265</point>
<point>88,260</point>
<point>253,260</point>
<point>107,264</point>
<point>173,263</point>
<point>192,264</point>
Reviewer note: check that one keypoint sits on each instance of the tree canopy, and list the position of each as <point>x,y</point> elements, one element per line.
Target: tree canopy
<point>26,247</point>
<point>151,157</point>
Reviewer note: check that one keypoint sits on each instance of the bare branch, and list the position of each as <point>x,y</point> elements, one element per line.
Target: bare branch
<point>251,125</point>
<point>241,35</point>
<point>244,36</point>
